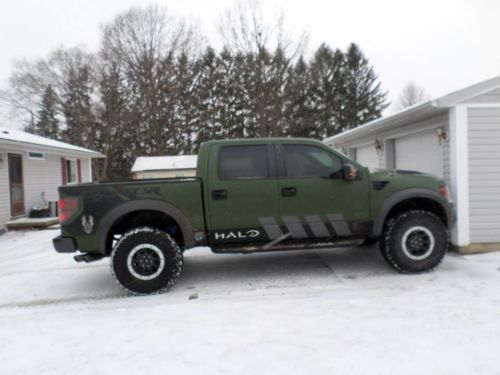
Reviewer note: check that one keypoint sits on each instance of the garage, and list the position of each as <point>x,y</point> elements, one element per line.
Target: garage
<point>367,156</point>
<point>420,152</point>
<point>455,137</point>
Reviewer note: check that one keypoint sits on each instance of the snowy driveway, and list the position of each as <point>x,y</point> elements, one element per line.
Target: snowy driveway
<point>341,311</point>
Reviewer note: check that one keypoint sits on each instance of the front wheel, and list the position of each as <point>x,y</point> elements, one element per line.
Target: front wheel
<point>146,260</point>
<point>414,241</point>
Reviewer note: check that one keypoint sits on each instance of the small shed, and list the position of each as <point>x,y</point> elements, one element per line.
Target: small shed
<point>164,166</point>
<point>33,167</point>
<point>455,137</point>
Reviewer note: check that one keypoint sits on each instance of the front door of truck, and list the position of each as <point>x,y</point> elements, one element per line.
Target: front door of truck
<point>316,202</point>
<point>242,194</point>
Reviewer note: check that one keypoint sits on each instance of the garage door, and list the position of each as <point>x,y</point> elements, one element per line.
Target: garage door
<point>420,152</point>
<point>367,156</point>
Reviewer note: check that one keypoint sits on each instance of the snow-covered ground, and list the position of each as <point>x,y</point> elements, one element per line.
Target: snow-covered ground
<point>340,311</point>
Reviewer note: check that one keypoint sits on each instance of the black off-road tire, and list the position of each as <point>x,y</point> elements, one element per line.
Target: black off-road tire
<point>146,261</point>
<point>414,241</point>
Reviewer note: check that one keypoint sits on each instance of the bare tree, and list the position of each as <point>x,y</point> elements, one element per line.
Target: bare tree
<point>249,27</point>
<point>410,95</point>
<point>147,35</point>
<point>142,42</point>
<point>269,48</point>
<point>29,80</point>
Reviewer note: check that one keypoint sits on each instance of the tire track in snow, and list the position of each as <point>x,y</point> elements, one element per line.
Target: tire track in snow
<point>59,301</point>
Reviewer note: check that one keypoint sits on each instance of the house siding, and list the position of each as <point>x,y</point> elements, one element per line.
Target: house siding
<point>484,174</point>
<point>4,191</point>
<point>41,176</point>
<point>85,166</point>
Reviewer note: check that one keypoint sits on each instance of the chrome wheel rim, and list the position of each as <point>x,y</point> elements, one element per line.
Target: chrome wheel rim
<point>145,261</point>
<point>418,243</point>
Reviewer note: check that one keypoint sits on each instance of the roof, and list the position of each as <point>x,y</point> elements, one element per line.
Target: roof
<point>418,111</point>
<point>18,137</point>
<point>158,163</point>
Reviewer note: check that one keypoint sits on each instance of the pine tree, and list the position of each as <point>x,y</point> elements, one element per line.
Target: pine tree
<point>363,98</point>
<point>206,92</point>
<point>186,99</point>
<point>297,107</point>
<point>278,78</point>
<point>77,108</point>
<point>327,85</point>
<point>115,130</point>
<point>48,123</point>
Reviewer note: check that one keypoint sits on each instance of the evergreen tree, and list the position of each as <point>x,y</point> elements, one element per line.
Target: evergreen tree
<point>297,108</point>
<point>186,114</point>
<point>278,78</point>
<point>326,90</point>
<point>363,99</point>
<point>77,108</point>
<point>205,93</point>
<point>115,130</point>
<point>48,124</point>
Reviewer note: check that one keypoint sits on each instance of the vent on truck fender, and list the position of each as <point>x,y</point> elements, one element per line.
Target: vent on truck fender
<point>379,185</point>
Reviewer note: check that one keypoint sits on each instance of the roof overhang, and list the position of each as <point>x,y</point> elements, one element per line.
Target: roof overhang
<point>51,149</point>
<point>415,113</point>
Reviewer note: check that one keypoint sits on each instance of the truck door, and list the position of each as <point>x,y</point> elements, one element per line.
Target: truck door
<point>315,200</point>
<point>242,193</point>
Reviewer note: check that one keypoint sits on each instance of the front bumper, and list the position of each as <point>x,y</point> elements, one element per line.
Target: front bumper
<point>64,244</point>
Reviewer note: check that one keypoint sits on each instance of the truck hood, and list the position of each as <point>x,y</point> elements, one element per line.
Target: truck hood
<point>407,177</point>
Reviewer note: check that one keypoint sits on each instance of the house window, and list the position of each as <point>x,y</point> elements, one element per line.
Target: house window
<point>179,174</point>
<point>71,171</point>
<point>36,155</point>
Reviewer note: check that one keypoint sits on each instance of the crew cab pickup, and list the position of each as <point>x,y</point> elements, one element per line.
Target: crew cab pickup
<point>255,195</point>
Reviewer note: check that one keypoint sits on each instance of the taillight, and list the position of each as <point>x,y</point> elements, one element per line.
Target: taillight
<point>67,208</point>
<point>443,190</point>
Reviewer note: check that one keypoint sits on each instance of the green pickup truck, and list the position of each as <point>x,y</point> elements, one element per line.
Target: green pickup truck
<point>255,195</point>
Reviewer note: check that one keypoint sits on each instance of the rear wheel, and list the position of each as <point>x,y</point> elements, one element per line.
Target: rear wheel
<point>146,260</point>
<point>414,241</point>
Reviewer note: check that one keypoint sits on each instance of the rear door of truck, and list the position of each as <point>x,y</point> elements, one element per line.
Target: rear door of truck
<point>242,193</point>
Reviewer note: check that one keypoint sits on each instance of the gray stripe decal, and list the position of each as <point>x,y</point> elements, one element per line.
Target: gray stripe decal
<point>276,241</point>
<point>295,227</point>
<point>317,226</point>
<point>339,225</point>
<point>271,228</point>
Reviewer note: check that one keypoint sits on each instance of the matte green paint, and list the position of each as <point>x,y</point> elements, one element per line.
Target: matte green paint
<point>248,200</point>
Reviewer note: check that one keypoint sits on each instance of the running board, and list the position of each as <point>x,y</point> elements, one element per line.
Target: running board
<point>87,258</point>
<point>284,247</point>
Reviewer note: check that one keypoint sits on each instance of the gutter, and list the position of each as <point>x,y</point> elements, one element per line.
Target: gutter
<point>408,114</point>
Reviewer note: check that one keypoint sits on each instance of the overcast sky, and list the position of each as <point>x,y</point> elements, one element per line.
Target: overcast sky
<point>441,45</point>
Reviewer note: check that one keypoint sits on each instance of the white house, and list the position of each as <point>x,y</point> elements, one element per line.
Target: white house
<point>164,166</point>
<point>33,167</point>
<point>455,137</point>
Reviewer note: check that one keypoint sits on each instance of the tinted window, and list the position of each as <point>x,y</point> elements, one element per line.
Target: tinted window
<point>309,161</point>
<point>243,162</point>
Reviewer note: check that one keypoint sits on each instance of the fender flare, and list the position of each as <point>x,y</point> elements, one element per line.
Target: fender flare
<point>140,205</point>
<point>403,195</point>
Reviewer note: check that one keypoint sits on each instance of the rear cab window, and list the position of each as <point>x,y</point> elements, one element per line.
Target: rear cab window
<point>243,162</point>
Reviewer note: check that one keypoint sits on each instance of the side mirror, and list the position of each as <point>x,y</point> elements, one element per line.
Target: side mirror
<point>350,172</point>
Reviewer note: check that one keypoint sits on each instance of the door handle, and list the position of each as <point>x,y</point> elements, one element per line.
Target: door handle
<point>289,191</point>
<point>219,194</point>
